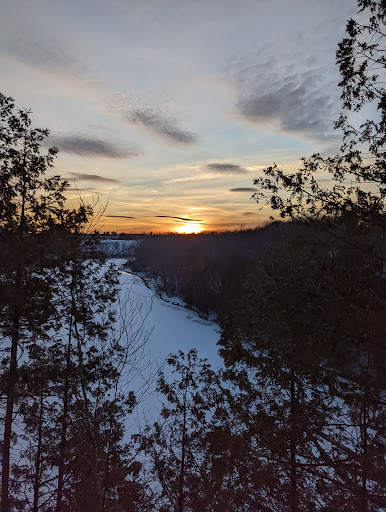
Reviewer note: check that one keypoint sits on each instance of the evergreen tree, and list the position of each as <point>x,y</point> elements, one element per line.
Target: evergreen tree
<point>58,315</point>
<point>296,347</point>
<point>90,466</point>
<point>31,214</point>
<point>98,467</point>
<point>175,445</point>
<point>37,410</point>
<point>358,171</point>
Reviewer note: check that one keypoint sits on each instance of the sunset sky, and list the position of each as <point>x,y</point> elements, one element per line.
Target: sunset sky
<point>167,109</point>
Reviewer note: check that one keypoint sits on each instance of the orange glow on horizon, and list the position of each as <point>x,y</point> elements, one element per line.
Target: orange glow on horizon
<point>189,228</point>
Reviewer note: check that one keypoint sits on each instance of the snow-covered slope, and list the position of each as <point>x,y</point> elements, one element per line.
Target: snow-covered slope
<point>173,326</point>
<point>170,327</point>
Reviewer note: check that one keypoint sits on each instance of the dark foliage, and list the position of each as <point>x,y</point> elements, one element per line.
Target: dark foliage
<point>61,357</point>
<point>207,270</point>
<point>305,345</point>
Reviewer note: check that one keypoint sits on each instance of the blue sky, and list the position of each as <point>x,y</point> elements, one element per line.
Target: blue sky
<point>167,109</point>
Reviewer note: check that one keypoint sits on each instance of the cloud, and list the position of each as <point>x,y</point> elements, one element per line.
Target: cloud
<point>89,146</point>
<point>184,179</point>
<point>137,110</point>
<point>120,217</point>
<point>44,54</point>
<point>296,102</point>
<point>160,124</point>
<point>92,177</point>
<point>291,88</point>
<point>49,56</point>
<point>76,189</point>
<point>226,168</point>
<point>248,214</point>
<point>243,189</point>
<point>178,218</point>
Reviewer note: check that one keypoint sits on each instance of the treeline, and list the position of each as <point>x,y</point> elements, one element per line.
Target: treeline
<point>205,270</point>
<point>208,270</point>
<point>117,248</point>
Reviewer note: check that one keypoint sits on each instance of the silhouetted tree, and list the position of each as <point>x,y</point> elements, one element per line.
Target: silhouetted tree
<point>32,212</point>
<point>175,445</point>
<point>358,171</point>
<point>96,467</point>
<point>312,317</point>
<point>64,356</point>
<point>300,346</point>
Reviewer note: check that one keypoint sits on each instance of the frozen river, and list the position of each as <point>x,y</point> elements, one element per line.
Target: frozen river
<point>173,326</point>
<point>170,327</point>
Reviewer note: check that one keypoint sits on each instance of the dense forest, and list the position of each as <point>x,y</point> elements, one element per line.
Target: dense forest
<point>208,270</point>
<point>294,420</point>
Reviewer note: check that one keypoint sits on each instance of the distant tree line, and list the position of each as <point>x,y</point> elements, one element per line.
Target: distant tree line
<point>205,270</point>
<point>208,270</point>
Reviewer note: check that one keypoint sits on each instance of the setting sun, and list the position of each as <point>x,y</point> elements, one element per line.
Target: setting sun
<point>189,229</point>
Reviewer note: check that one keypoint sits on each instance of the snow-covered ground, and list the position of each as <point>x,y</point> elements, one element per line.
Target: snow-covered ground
<point>170,327</point>
<point>174,327</point>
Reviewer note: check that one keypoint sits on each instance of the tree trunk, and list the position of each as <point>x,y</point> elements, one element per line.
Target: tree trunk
<point>182,470</point>
<point>294,498</point>
<point>108,455</point>
<point>364,441</point>
<point>63,437</point>
<point>88,423</point>
<point>5,503</point>
<point>15,336</point>
<point>38,455</point>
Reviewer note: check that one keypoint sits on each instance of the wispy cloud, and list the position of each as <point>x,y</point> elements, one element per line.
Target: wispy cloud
<point>76,189</point>
<point>160,124</point>
<point>178,218</point>
<point>45,54</point>
<point>184,179</point>
<point>91,177</point>
<point>243,189</point>
<point>226,168</point>
<point>292,88</point>
<point>89,146</point>
<point>296,102</point>
<point>48,56</point>
<point>120,217</point>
